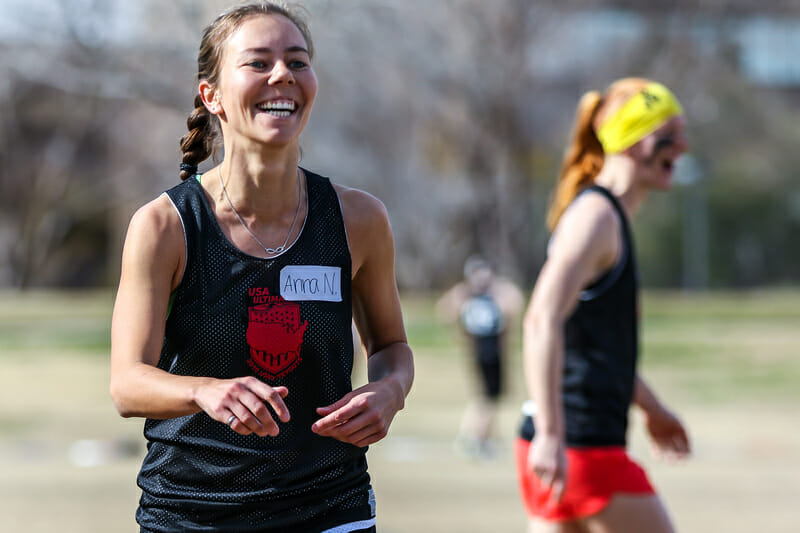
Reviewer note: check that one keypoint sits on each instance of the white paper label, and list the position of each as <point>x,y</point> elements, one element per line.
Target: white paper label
<point>311,282</point>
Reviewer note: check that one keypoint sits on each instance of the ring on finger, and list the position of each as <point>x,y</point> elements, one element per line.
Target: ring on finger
<point>231,419</point>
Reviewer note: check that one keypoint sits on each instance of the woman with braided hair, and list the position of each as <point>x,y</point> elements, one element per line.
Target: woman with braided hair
<point>580,338</point>
<point>232,331</point>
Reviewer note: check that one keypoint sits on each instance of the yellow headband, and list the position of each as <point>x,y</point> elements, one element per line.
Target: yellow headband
<point>638,117</point>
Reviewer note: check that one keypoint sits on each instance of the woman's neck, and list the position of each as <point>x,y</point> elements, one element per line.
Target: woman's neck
<point>617,175</point>
<point>261,183</point>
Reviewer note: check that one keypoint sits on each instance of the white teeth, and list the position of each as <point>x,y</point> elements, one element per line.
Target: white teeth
<point>277,105</point>
<point>278,108</point>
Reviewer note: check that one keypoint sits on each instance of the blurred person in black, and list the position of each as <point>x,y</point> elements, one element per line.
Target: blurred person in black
<point>483,305</point>
<point>580,332</point>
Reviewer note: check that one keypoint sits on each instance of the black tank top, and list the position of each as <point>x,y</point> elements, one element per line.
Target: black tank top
<point>286,320</point>
<point>601,350</point>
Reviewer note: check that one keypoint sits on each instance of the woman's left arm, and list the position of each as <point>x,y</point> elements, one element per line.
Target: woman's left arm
<point>363,416</point>
<point>670,438</point>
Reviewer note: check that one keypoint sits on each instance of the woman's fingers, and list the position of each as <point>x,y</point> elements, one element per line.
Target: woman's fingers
<point>242,404</point>
<point>546,460</point>
<point>361,417</point>
<point>362,430</point>
<point>274,397</point>
<point>253,413</point>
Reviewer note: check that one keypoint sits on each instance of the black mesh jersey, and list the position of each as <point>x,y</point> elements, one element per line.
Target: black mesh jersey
<point>286,320</point>
<point>601,349</point>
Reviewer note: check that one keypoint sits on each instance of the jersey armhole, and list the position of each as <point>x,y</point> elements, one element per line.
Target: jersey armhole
<point>185,247</point>
<point>344,224</point>
<point>605,281</point>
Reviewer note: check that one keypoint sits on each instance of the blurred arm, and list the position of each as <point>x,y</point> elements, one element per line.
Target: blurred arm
<point>669,436</point>
<point>583,247</point>
<point>509,298</point>
<point>449,305</point>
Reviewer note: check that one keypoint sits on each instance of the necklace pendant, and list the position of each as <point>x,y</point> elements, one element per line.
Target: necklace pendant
<point>269,251</point>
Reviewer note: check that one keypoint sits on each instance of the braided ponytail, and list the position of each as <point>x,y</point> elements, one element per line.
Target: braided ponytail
<point>197,145</point>
<point>583,158</point>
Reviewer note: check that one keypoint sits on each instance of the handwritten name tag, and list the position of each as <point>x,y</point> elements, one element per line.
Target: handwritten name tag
<point>311,282</point>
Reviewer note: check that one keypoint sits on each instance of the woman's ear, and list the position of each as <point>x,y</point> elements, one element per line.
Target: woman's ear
<point>210,96</point>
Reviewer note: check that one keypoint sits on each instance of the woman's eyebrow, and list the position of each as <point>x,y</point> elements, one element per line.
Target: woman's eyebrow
<point>267,50</point>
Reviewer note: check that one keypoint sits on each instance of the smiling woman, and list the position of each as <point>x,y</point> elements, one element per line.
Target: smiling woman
<point>232,326</point>
<point>204,120</point>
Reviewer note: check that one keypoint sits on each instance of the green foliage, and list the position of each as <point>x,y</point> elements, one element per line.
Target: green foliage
<point>37,321</point>
<point>724,347</point>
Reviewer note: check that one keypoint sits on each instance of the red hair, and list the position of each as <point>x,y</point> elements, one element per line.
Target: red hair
<point>584,156</point>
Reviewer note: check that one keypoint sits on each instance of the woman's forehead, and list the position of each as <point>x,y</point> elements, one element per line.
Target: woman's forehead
<point>266,32</point>
<point>673,125</point>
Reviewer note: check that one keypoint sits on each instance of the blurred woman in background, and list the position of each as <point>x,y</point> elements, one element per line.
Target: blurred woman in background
<point>580,336</point>
<point>232,326</point>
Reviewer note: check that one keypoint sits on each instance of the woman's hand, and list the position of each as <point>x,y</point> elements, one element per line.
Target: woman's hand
<point>245,399</point>
<point>670,440</point>
<point>547,461</point>
<point>363,416</point>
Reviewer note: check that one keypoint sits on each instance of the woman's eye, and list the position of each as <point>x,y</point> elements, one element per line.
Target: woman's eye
<point>257,64</point>
<point>664,142</point>
<point>297,64</point>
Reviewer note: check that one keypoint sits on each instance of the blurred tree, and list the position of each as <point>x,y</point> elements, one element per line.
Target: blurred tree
<point>441,126</point>
<point>70,100</point>
<point>47,201</point>
<point>453,112</point>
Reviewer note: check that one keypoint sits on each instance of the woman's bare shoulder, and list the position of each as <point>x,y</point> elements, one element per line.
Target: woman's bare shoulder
<point>360,206</point>
<point>157,217</point>
<point>155,242</point>
<point>588,230</point>
<point>369,232</point>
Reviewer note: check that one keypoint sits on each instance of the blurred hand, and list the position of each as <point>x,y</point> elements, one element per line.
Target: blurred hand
<point>245,398</point>
<point>547,461</point>
<point>363,416</point>
<point>669,438</point>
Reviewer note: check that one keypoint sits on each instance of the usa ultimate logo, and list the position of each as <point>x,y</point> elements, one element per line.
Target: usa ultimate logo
<point>274,334</point>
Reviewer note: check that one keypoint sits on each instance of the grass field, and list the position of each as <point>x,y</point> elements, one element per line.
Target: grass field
<point>726,362</point>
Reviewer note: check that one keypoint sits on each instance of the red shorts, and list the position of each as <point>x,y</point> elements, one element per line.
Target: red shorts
<point>594,475</point>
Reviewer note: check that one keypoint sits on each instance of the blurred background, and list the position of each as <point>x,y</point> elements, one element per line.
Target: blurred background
<point>455,114</point>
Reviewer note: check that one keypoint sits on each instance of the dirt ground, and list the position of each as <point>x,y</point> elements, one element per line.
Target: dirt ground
<point>68,463</point>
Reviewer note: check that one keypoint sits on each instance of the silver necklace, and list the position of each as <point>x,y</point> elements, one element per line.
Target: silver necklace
<point>267,249</point>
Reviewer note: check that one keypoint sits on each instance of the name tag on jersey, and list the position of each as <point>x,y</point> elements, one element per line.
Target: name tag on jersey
<point>311,282</point>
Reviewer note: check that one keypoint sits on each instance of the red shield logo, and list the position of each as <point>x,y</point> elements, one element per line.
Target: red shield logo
<point>275,336</point>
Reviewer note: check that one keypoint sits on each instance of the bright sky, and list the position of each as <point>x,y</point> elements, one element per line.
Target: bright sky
<point>108,21</point>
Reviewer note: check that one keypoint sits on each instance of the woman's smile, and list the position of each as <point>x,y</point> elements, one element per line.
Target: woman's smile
<point>278,108</point>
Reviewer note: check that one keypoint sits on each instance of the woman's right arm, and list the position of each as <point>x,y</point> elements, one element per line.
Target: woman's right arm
<point>584,245</point>
<point>152,266</point>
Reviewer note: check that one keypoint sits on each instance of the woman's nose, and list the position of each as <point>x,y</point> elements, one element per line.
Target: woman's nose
<point>280,74</point>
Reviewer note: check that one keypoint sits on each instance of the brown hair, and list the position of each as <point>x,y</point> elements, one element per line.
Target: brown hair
<point>584,156</point>
<point>198,144</point>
